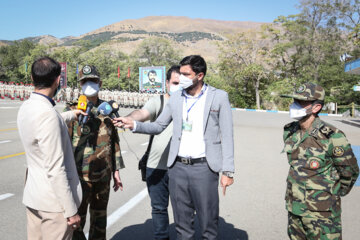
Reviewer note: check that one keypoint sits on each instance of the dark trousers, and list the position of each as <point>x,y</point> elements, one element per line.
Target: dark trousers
<point>194,188</point>
<point>157,181</point>
<point>95,194</point>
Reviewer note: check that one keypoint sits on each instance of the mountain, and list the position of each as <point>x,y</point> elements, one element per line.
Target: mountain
<point>189,36</point>
<point>173,24</point>
<point>46,40</point>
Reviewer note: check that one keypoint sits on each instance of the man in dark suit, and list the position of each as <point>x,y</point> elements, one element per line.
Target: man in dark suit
<point>201,147</point>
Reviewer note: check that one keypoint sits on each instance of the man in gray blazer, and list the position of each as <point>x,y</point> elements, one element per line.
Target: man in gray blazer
<point>201,147</point>
<point>52,191</point>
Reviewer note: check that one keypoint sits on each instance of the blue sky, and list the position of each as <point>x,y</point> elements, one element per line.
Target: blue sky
<point>26,18</point>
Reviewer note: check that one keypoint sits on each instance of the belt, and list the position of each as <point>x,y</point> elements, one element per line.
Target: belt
<point>189,160</point>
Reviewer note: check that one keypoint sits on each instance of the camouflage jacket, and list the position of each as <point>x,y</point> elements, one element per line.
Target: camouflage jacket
<point>322,168</point>
<point>96,147</point>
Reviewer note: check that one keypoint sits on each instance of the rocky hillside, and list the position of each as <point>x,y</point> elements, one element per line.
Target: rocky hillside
<point>189,36</point>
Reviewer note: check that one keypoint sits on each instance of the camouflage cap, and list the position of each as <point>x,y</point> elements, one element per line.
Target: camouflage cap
<point>88,71</point>
<point>307,92</point>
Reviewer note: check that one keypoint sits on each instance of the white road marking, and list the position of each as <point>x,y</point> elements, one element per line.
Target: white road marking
<point>12,122</point>
<point>7,107</point>
<point>115,216</point>
<point>144,144</point>
<point>5,141</point>
<point>123,152</point>
<point>5,196</point>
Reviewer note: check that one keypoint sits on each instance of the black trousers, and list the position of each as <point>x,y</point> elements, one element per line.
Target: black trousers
<point>194,188</point>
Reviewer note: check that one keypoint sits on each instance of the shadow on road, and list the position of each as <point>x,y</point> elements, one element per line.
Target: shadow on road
<point>227,231</point>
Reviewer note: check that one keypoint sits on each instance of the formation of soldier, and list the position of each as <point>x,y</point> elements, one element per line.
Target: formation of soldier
<point>69,95</point>
<point>14,90</point>
<point>127,99</point>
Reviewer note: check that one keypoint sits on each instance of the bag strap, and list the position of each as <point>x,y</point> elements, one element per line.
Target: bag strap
<point>152,136</point>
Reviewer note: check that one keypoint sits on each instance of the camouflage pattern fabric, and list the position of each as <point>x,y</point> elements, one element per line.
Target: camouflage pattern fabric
<point>69,106</point>
<point>303,228</point>
<point>95,194</point>
<point>88,71</point>
<point>97,156</point>
<point>96,147</point>
<point>307,92</point>
<point>322,169</point>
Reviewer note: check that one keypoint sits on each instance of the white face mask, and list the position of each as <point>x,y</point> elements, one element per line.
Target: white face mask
<point>174,88</point>
<point>90,89</point>
<point>297,112</point>
<point>185,82</point>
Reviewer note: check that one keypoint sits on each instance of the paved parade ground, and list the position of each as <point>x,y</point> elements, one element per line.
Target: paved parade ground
<point>253,207</point>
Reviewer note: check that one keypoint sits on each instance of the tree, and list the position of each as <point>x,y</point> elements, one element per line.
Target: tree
<point>107,63</point>
<point>35,53</point>
<point>243,63</point>
<point>307,46</point>
<point>155,51</point>
<point>12,64</point>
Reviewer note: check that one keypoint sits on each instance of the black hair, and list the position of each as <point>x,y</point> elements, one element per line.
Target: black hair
<point>44,72</point>
<point>196,62</point>
<point>152,71</point>
<point>174,68</point>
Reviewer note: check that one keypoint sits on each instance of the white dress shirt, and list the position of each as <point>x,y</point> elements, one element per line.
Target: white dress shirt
<point>192,142</point>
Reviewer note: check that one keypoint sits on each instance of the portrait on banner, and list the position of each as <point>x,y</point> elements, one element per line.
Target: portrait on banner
<point>152,79</point>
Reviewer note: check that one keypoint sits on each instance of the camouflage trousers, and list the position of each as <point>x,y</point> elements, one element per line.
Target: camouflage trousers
<point>95,194</point>
<point>314,228</point>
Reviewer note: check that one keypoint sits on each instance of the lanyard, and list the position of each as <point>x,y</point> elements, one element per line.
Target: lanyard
<point>198,98</point>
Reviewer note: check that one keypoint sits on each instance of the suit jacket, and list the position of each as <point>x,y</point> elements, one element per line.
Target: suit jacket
<point>52,183</point>
<point>218,128</point>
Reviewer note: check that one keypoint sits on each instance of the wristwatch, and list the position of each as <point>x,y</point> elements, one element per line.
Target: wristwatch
<point>228,174</point>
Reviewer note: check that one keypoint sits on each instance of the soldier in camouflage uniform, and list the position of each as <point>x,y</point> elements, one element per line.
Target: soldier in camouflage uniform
<point>98,158</point>
<point>323,168</point>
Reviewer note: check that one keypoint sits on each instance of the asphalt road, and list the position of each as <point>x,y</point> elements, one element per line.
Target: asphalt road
<point>253,207</point>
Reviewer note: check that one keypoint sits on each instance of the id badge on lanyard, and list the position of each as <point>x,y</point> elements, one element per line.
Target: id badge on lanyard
<point>187,126</point>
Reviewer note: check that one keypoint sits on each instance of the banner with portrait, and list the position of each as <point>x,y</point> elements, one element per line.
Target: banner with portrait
<point>152,79</point>
<point>63,75</point>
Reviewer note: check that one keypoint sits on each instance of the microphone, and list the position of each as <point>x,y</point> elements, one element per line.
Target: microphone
<point>90,105</point>
<point>82,103</point>
<point>104,109</point>
<point>115,108</point>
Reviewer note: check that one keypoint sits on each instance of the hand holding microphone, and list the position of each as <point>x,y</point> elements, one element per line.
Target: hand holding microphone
<point>82,105</point>
<point>90,105</point>
<point>124,122</point>
<point>106,110</point>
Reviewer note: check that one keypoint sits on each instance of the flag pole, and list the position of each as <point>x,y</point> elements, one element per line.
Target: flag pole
<point>77,75</point>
